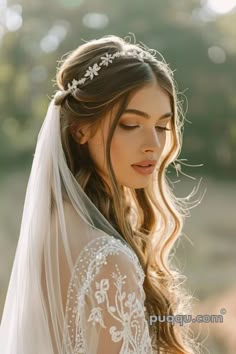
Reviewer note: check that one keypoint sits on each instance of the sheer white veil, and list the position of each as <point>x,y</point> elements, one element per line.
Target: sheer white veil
<point>58,221</point>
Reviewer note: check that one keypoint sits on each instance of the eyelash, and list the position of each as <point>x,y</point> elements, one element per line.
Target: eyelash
<point>129,127</point>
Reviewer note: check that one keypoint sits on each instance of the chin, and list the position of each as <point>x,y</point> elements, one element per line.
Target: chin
<point>137,185</point>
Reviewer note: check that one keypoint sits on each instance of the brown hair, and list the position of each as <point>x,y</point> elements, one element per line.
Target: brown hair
<point>159,220</point>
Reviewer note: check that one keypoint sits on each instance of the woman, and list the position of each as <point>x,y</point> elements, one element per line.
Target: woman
<point>92,265</point>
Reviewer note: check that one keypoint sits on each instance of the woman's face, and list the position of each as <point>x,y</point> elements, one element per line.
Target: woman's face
<point>139,135</point>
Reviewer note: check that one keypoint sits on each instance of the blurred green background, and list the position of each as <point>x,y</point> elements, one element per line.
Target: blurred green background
<point>197,38</point>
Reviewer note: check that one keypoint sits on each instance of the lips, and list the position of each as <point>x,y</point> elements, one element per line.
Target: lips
<point>143,169</point>
<point>145,163</point>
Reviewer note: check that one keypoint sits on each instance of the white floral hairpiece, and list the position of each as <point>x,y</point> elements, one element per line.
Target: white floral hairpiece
<point>106,59</point>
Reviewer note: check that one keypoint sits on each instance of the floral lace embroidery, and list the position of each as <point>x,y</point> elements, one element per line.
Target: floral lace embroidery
<point>126,312</point>
<point>130,325</point>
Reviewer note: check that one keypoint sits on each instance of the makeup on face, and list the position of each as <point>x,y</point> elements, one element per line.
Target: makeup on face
<point>141,134</point>
<point>132,120</point>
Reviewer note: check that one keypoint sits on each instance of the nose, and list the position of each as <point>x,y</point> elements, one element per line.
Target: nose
<point>152,143</point>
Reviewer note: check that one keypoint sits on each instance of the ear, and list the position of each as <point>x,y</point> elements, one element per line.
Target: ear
<point>80,135</point>
<point>82,138</point>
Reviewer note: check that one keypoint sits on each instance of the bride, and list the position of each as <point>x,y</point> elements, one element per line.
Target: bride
<point>92,271</point>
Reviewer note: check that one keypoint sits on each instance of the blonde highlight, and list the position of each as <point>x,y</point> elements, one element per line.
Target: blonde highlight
<point>149,219</point>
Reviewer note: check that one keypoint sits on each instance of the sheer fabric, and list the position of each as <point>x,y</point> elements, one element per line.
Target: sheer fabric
<point>76,285</point>
<point>105,311</point>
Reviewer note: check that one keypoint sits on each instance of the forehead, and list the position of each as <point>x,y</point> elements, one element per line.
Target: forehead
<point>152,99</point>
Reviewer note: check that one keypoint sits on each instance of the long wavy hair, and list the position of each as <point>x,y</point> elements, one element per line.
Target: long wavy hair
<point>150,219</point>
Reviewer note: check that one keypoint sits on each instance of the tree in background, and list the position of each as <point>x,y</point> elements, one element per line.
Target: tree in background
<point>198,46</point>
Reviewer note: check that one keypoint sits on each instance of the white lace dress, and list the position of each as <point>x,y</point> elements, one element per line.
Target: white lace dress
<point>105,310</point>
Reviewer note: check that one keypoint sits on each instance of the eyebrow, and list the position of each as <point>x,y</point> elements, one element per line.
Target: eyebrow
<point>145,115</point>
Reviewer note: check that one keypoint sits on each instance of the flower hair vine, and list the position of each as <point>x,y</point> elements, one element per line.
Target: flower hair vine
<point>106,59</point>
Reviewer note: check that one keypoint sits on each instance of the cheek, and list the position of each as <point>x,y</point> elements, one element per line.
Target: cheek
<point>121,147</point>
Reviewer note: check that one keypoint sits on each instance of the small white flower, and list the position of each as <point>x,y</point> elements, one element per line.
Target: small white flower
<point>117,54</point>
<point>82,81</point>
<point>106,59</point>
<point>92,71</point>
<point>73,86</point>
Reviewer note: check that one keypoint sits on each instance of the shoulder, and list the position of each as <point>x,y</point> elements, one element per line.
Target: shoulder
<point>103,256</point>
<point>106,299</point>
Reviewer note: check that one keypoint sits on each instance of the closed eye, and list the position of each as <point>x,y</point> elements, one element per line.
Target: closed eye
<point>129,127</point>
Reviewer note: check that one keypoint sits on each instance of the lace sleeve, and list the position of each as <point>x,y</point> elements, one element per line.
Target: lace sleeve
<point>105,310</point>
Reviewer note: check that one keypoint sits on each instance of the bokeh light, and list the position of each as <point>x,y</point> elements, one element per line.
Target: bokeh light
<point>49,43</point>
<point>221,6</point>
<point>217,54</point>
<point>11,17</point>
<point>95,20</point>
<point>54,37</point>
<point>203,14</point>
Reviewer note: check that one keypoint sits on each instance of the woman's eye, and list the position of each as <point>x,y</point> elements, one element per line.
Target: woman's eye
<point>129,127</point>
<point>163,128</point>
